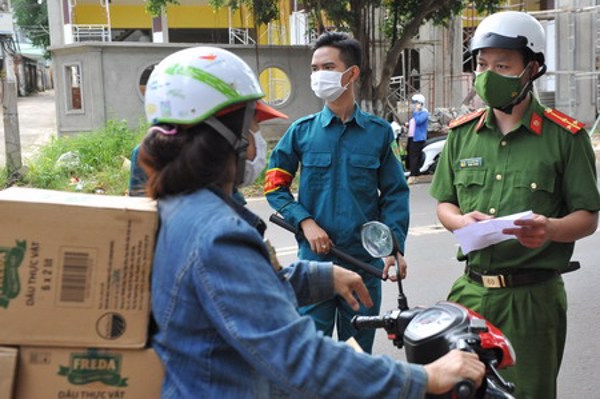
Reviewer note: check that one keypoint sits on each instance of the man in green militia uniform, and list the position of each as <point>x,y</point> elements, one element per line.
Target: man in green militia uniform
<point>512,156</point>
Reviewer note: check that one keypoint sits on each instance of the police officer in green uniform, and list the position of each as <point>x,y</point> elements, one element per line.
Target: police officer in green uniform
<point>512,156</point>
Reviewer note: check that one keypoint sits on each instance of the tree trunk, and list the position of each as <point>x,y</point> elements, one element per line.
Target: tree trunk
<point>393,55</point>
<point>360,14</point>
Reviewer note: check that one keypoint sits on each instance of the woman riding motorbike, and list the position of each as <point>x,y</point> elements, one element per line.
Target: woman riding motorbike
<point>228,325</point>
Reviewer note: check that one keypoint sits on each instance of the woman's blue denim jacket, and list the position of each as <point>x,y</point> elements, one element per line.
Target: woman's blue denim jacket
<point>227,321</point>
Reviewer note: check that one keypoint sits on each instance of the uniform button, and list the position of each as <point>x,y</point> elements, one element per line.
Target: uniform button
<point>533,186</point>
<point>503,143</point>
<point>492,211</point>
<point>498,176</point>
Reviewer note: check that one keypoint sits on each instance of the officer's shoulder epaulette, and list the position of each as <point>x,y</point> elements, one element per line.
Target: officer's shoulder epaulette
<point>461,120</point>
<point>566,122</point>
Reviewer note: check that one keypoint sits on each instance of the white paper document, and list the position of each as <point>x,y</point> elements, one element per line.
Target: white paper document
<point>488,232</point>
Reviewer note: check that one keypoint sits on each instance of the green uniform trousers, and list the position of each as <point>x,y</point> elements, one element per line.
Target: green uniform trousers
<point>534,319</point>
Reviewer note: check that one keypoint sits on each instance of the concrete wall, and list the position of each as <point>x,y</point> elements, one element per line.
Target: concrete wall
<point>56,22</point>
<point>575,82</point>
<point>442,79</point>
<point>110,74</point>
<point>576,67</point>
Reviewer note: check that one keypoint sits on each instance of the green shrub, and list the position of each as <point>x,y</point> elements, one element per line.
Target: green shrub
<point>3,177</point>
<point>94,162</point>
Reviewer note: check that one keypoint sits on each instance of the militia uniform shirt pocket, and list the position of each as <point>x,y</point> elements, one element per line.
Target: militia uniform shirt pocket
<point>363,171</point>
<point>316,168</point>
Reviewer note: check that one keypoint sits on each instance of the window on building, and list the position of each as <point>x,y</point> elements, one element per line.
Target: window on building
<point>143,81</point>
<point>276,85</point>
<point>73,87</point>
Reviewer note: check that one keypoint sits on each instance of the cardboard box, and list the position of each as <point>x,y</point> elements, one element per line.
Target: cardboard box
<point>68,373</point>
<point>8,370</point>
<point>75,268</point>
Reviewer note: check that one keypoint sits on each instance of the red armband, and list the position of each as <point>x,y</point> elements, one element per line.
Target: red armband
<point>277,178</point>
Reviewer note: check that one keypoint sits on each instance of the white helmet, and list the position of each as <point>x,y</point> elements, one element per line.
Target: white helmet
<point>418,98</point>
<point>191,85</point>
<point>511,30</point>
<point>200,84</point>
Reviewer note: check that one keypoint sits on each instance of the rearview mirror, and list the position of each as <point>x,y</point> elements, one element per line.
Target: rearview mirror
<point>377,239</point>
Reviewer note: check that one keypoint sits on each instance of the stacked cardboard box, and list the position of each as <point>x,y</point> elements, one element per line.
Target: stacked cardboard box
<point>74,274</point>
<point>8,366</point>
<point>53,372</point>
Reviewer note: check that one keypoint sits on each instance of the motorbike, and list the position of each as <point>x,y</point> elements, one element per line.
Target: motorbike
<point>430,154</point>
<point>428,332</point>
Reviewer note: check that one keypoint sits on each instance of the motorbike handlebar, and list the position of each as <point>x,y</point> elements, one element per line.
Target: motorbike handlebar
<point>465,389</point>
<point>333,251</point>
<point>368,322</point>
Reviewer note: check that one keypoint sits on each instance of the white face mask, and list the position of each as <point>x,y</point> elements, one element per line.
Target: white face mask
<point>254,167</point>
<point>327,85</point>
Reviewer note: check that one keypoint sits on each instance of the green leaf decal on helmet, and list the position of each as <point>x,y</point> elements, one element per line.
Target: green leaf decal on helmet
<point>203,77</point>
<point>192,85</point>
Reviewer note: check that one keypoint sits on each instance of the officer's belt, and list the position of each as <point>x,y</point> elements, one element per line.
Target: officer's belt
<point>511,280</point>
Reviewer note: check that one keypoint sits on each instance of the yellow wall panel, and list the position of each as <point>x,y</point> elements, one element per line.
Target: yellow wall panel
<point>179,16</point>
<point>89,15</point>
<point>206,17</point>
<point>120,16</point>
<point>130,17</point>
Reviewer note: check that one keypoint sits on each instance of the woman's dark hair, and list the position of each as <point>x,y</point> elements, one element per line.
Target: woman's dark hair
<point>193,158</point>
<point>350,48</point>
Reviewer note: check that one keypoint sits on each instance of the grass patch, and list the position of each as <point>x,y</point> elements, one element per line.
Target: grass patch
<point>3,177</point>
<point>94,162</point>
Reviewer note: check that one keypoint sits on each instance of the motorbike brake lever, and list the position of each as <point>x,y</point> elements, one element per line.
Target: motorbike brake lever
<point>509,386</point>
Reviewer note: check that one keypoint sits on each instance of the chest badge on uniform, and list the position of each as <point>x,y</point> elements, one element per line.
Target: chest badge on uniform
<point>470,162</point>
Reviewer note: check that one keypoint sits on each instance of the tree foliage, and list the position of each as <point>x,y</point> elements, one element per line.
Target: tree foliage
<point>406,19</point>
<point>155,7</point>
<point>32,17</point>
<point>264,11</point>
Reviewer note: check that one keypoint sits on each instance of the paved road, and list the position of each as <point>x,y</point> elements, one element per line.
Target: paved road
<point>433,268</point>
<point>37,123</point>
<point>430,254</point>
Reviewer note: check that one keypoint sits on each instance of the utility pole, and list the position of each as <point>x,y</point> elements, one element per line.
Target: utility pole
<point>8,79</point>
<point>12,138</point>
